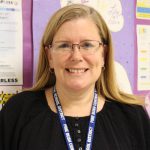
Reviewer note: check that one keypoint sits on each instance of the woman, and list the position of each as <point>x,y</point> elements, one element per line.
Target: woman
<point>75,102</point>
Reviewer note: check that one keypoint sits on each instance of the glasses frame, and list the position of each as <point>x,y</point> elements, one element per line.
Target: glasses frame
<point>76,44</point>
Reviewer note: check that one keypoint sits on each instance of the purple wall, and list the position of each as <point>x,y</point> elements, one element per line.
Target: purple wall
<point>124,40</point>
<point>27,44</point>
<point>41,14</point>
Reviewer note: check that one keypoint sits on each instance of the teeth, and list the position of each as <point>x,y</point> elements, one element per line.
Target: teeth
<point>76,70</point>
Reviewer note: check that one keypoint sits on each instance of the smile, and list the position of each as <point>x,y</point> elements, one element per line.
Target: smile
<point>77,70</point>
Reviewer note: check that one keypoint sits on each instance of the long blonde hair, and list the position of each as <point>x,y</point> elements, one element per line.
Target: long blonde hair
<point>106,84</point>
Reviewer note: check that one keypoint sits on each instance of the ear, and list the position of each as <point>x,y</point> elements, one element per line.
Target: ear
<point>49,56</point>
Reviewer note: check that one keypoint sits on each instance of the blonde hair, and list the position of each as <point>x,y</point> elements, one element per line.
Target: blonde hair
<point>106,84</point>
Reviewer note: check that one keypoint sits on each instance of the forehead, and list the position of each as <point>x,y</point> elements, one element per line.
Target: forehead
<point>78,28</point>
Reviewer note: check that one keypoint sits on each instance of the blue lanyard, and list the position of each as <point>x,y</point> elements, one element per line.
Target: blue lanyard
<point>64,126</point>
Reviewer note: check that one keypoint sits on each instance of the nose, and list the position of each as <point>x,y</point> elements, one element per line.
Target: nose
<point>75,45</point>
<point>76,54</point>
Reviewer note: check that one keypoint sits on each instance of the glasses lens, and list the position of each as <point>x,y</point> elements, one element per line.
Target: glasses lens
<point>89,46</point>
<point>62,46</point>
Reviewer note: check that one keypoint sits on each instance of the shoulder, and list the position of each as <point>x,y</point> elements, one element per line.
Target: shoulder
<point>134,116</point>
<point>132,119</point>
<point>128,110</point>
<point>20,108</point>
<point>18,112</point>
<point>23,103</point>
<point>23,98</point>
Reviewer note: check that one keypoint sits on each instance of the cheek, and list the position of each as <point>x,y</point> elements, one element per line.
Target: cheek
<point>98,60</point>
<point>58,61</point>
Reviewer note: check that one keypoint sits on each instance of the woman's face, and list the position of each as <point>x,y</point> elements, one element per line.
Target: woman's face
<point>75,70</point>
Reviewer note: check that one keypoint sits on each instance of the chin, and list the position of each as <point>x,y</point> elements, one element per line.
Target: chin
<point>77,87</point>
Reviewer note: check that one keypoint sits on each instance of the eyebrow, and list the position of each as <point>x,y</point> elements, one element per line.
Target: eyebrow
<point>79,42</point>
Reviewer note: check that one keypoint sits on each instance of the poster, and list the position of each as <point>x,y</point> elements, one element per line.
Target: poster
<point>111,10</point>
<point>143,9</point>
<point>143,45</point>
<point>6,92</point>
<point>11,43</point>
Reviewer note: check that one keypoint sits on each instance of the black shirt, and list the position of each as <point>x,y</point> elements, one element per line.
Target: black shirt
<point>28,123</point>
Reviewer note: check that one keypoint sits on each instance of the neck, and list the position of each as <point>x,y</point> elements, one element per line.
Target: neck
<point>75,103</point>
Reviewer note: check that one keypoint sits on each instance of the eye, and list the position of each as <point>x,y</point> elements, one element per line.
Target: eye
<point>87,45</point>
<point>63,45</point>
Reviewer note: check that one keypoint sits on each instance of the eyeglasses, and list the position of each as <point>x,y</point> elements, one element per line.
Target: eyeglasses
<point>85,47</point>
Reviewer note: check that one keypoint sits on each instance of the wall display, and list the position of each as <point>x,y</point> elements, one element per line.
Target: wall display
<point>143,9</point>
<point>11,43</point>
<point>143,48</point>
<point>128,29</point>
<point>16,61</point>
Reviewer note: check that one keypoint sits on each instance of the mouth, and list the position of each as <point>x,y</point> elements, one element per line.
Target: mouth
<point>76,70</point>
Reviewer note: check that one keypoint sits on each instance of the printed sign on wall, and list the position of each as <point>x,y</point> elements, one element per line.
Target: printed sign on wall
<point>11,43</point>
<point>143,45</point>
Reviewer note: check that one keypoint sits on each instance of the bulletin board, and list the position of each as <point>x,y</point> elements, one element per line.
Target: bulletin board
<point>125,21</point>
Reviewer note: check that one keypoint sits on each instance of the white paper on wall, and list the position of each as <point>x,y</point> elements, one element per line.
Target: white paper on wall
<point>143,44</point>
<point>11,43</point>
